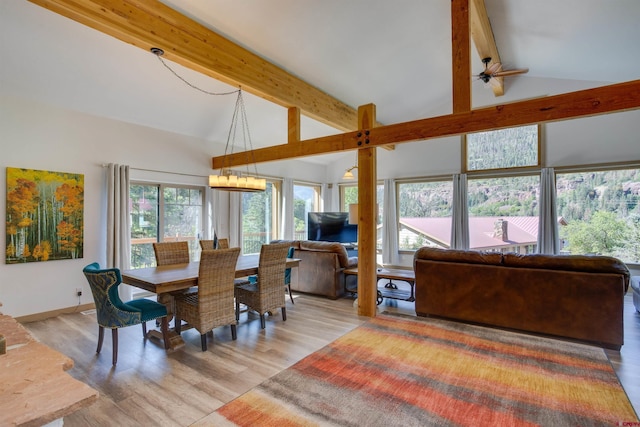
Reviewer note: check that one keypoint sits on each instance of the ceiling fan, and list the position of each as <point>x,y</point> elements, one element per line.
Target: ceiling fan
<point>490,73</point>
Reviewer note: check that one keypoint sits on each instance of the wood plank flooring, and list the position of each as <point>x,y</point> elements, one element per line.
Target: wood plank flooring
<point>151,386</point>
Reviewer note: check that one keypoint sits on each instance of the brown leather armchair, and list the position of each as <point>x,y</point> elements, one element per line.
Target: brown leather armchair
<point>321,269</point>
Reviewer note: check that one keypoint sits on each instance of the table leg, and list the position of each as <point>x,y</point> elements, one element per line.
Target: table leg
<point>175,340</point>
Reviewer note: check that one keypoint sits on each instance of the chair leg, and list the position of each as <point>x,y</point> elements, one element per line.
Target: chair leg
<point>203,341</point>
<point>262,322</point>
<point>234,332</point>
<point>100,338</point>
<point>144,330</point>
<point>165,332</point>
<point>114,344</point>
<point>237,310</point>
<point>290,295</point>
<point>284,314</point>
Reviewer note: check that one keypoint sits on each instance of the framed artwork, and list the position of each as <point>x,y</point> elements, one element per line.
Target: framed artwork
<point>45,216</point>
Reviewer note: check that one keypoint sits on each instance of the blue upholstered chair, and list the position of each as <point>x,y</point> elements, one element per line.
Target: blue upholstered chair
<point>113,313</point>
<point>287,274</point>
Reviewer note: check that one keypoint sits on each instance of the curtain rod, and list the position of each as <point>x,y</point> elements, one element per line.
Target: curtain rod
<point>104,165</point>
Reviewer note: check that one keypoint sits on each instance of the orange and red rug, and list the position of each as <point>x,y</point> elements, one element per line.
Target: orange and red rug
<point>406,371</point>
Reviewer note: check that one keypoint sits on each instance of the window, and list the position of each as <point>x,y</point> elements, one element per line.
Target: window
<point>424,214</point>
<point>177,213</point>
<point>260,213</point>
<point>306,198</point>
<point>503,213</point>
<point>349,196</point>
<point>601,210</point>
<point>502,149</point>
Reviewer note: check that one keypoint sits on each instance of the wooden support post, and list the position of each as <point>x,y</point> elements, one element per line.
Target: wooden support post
<point>461,56</point>
<point>293,125</point>
<point>367,215</point>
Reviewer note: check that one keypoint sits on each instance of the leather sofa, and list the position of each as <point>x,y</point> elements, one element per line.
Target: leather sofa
<point>568,296</point>
<point>321,269</point>
<point>635,285</point>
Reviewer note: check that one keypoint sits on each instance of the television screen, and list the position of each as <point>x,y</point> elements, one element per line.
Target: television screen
<point>331,227</point>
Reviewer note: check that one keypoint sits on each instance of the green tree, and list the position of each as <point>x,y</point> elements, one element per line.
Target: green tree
<point>603,234</point>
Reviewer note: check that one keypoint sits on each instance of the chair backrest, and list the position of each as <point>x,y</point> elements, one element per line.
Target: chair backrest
<point>271,267</point>
<point>223,244</point>
<point>111,312</point>
<point>168,253</point>
<point>215,279</point>
<point>207,245</point>
<point>287,271</point>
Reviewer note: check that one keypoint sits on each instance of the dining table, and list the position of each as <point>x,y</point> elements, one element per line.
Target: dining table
<point>165,279</point>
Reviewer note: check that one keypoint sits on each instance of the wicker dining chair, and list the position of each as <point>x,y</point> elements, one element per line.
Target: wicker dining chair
<point>171,252</point>
<point>168,253</point>
<point>212,305</point>
<point>266,293</point>
<point>287,276</point>
<point>207,245</point>
<point>113,313</point>
<point>223,244</point>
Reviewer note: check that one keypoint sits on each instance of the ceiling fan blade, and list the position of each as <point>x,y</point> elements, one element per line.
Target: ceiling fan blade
<point>504,73</point>
<point>494,68</point>
<point>495,83</point>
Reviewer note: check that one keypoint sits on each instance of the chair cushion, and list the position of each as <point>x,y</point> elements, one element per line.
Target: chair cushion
<point>149,309</point>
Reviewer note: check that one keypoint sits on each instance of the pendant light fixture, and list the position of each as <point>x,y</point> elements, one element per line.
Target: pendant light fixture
<point>227,179</point>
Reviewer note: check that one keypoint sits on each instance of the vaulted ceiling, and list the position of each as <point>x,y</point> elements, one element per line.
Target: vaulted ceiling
<point>395,54</point>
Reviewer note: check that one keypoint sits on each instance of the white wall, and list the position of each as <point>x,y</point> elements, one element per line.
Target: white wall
<point>36,136</point>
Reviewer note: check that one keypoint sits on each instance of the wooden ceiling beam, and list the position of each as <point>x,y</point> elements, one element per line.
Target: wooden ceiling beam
<point>150,23</point>
<point>482,35</point>
<point>602,100</point>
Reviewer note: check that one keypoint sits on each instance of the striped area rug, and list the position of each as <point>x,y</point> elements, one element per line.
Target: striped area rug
<point>406,371</point>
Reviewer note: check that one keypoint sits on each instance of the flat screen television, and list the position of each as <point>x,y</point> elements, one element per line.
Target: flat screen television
<point>331,227</point>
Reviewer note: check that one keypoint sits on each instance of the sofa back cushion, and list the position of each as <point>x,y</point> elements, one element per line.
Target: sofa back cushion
<point>455,255</point>
<point>335,247</point>
<point>578,263</point>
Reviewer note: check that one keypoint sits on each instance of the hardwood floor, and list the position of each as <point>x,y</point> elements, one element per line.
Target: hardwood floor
<point>151,386</point>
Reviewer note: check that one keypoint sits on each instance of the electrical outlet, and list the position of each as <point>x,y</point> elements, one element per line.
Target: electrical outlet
<point>79,292</point>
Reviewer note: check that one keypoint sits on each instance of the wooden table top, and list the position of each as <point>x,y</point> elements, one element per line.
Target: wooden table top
<point>169,278</point>
<point>389,273</point>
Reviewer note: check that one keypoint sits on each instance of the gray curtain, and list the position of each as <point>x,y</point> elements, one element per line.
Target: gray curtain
<point>460,213</point>
<point>118,222</point>
<point>548,237</point>
<point>390,225</point>
<point>287,228</point>
<point>235,219</point>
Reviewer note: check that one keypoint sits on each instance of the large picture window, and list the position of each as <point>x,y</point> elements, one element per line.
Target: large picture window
<point>163,213</point>
<point>306,198</point>
<point>503,213</point>
<point>502,149</point>
<point>424,214</point>
<point>601,210</point>
<point>260,213</point>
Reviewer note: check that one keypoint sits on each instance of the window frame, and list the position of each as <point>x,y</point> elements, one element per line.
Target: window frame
<point>161,212</point>
<point>541,155</point>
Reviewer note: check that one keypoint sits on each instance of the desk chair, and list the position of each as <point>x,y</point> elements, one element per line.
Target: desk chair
<point>266,293</point>
<point>112,313</point>
<point>212,305</point>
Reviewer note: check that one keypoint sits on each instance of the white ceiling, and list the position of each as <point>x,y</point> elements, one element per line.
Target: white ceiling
<point>393,53</point>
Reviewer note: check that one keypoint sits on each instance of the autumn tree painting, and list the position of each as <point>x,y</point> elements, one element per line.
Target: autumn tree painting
<point>45,215</point>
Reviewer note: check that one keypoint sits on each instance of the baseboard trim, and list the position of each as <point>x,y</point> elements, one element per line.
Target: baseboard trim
<point>48,314</point>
